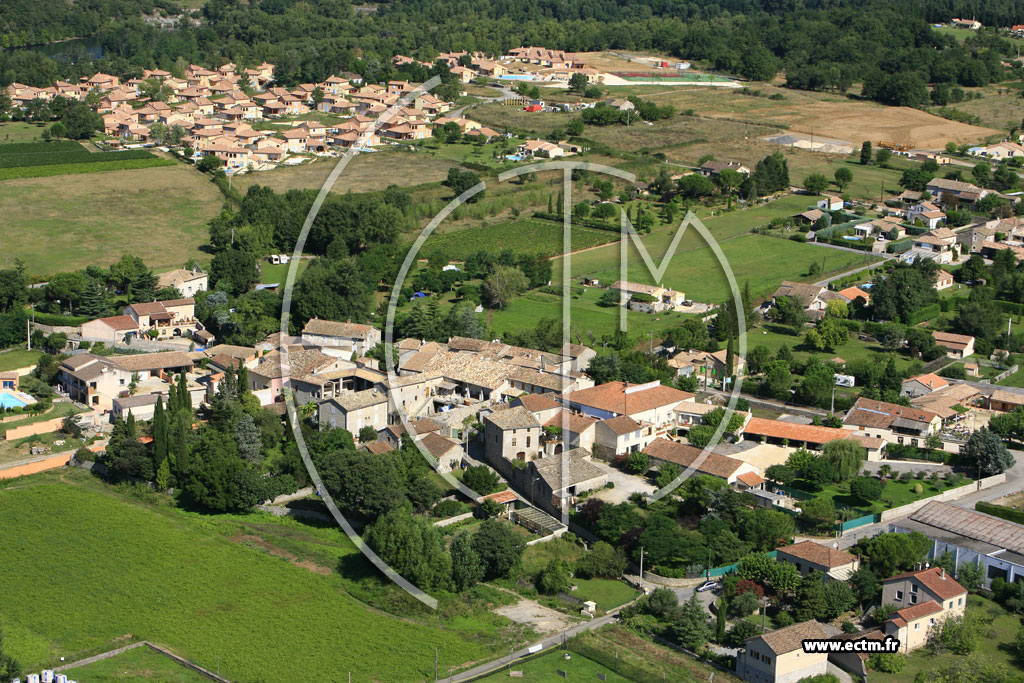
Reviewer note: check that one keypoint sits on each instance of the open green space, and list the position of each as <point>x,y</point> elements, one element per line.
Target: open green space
<point>18,358</point>
<point>269,596</point>
<point>138,664</point>
<point>994,647</point>
<point>547,668</point>
<point>21,449</point>
<point>895,494</point>
<point>278,272</point>
<point>43,159</point>
<point>775,337</point>
<point>157,214</point>
<point>607,593</point>
<point>19,131</point>
<point>869,182</point>
<point>696,270</point>
<point>1014,380</point>
<point>532,236</point>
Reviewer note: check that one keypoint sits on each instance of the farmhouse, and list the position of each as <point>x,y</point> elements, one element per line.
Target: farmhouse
<point>340,338</point>
<point>922,384</point>
<point>964,192</point>
<point>97,380</point>
<point>892,422</point>
<point>957,345</point>
<point>652,402</point>
<point>353,410</point>
<point>511,434</point>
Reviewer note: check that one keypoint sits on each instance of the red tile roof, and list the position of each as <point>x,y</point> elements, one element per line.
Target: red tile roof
<point>777,429</point>
<point>751,479</point>
<point>626,399</point>
<point>684,456</point>
<point>935,580</point>
<point>819,554</point>
<point>915,612</point>
<point>501,497</point>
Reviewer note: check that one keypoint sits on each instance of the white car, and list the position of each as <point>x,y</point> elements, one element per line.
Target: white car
<point>708,586</point>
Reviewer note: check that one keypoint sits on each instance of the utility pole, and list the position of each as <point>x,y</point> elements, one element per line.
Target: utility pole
<point>641,568</point>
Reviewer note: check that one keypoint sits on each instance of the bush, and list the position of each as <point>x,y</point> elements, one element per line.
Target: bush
<point>449,508</point>
<point>740,632</point>
<point>784,618</point>
<point>887,662</point>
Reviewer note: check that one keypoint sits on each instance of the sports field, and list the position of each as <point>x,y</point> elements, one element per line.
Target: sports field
<point>95,569</point>
<point>158,214</point>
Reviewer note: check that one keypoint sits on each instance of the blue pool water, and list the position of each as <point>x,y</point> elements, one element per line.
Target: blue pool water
<point>516,77</point>
<point>11,401</point>
<point>852,238</point>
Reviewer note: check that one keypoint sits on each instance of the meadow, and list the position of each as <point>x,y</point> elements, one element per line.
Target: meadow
<point>14,359</point>
<point>19,131</point>
<point>157,214</point>
<point>139,664</point>
<point>98,567</point>
<point>554,666</point>
<point>761,261</point>
<point>530,236</point>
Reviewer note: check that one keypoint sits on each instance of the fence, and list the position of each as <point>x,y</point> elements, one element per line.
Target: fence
<point>858,522</point>
<point>951,494</point>
<point>1004,374</point>
<point>155,648</point>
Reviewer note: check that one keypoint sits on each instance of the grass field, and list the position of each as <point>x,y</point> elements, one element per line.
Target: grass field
<point>139,664</point>
<point>994,647</point>
<point>95,565</point>
<point>158,214</point>
<point>899,492</point>
<point>531,236</point>
<point>775,337</point>
<point>270,273</point>
<point>761,261</point>
<point>18,358</point>
<point>547,668</point>
<point>19,131</point>
<point>364,173</point>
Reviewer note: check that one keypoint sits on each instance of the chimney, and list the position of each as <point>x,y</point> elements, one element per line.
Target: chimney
<point>943,573</point>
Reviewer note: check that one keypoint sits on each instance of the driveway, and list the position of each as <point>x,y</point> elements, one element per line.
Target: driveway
<point>625,484</point>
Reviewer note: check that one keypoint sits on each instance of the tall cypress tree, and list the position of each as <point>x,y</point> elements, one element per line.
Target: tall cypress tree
<point>129,426</point>
<point>159,432</point>
<point>184,398</point>
<point>243,380</point>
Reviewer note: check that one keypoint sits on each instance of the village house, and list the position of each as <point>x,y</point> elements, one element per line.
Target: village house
<point>652,403</point>
<point>892,422</point>
<point>922,384</point>
<point>511,434</point>
<point>924,597</point>
<point>710,367</point>
<point>340,338</point>
<point>808,556</point>
<point>662,450</point>
<point>957,345</point>
<point>353,410</point>
<point>713,168</point>
<point>779,657</point>
<point>928,214</point>
<point>662,297</point>
<point>830,203</point>
<point>97,381</point>
<point>964,192</point>
<point>187,282</point>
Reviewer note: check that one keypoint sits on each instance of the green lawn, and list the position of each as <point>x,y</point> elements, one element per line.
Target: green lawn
<point>139,664</point>
<point>208,585</point>
<point>19,131</point>
<point>695,270</point>
<point>1014,380</point>
<point>18,358</point>
<point>547,668</point>
<point>530,236</point>
<point>271,273</point>
<point>995,646</point>
<point>607,593</point>
<point>776,336</point>
<point>868,181</point>
<point>899,492</point>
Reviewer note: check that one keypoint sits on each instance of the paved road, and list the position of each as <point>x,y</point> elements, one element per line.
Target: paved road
<point>825,282</point>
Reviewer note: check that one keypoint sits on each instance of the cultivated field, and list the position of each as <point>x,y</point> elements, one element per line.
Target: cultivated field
<point>96,569</point>
<point>158,214</point>
<point>364,173</point>
<point>824,114</point>
<point>18,131</point>
<point>43,159</point>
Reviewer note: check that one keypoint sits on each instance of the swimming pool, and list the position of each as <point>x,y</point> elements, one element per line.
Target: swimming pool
<point>517,77</point>
<point>8,400</point>
<point>852,238</point>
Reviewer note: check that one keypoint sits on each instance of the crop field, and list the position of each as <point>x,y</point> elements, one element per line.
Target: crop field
<point>532,236</point>
<point>158,214</point>
<point>97,568</point>
<point>138,664</point>
<point>43,159</point>
<point>366,172</point>
<point>825,114</point>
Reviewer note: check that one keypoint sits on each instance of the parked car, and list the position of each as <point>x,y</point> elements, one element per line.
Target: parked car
<point>708,586</point>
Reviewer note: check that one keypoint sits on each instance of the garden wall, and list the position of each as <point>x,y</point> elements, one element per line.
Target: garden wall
<point>23,468</point>
<point>44,427</point>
